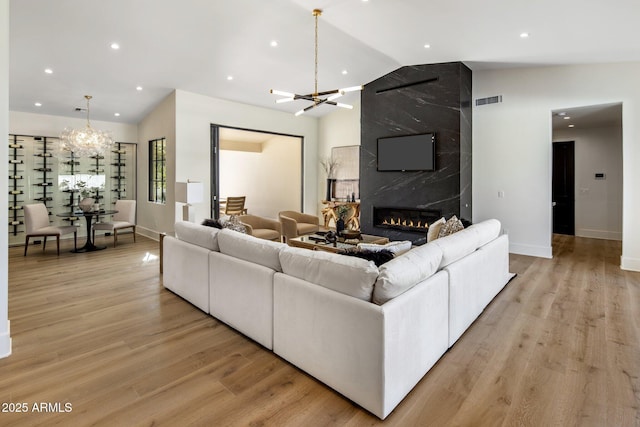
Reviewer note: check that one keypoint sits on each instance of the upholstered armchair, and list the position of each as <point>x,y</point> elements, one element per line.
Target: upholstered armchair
<point>36,220</point>
<point>124,218</point>
<point>296,224</point>
<point>264,228</point>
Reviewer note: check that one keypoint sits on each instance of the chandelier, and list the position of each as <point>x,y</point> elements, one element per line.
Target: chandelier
<point>85,142</point>
<point>317,98</point>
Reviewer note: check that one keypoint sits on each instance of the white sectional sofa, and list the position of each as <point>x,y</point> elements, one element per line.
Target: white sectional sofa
<point>371,333</point>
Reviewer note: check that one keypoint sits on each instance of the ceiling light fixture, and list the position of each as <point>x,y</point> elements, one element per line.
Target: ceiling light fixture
<point>318,98</point>
<point>524,35</point>
<point>48,70</point>
<point>38,104</point>
<point>115,46</point>
<point>274,43</point>
<point>84,142</point>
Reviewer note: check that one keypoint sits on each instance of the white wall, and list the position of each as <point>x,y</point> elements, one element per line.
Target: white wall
<point>598,202</point>
<point>194,115</point>
<point>338,129</point>
<point>512,146</point>
<point>270,179</point>
<point>5,338</point>
<point>154,218</point>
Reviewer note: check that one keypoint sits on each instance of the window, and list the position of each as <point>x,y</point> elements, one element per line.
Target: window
<point>157,171</point>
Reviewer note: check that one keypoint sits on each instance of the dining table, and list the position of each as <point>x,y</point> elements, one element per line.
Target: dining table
<point>89,245</point>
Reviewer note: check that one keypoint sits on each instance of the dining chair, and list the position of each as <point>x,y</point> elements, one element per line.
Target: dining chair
<point>124,218</point>
<point>36,221</point>
<point>235,206</point>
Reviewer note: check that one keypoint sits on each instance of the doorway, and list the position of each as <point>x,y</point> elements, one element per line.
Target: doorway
<point>265,167</point>
<point>588,162</point>
<point>563,188</point>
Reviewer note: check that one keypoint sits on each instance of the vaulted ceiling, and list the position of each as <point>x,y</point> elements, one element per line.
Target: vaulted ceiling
<point>223,48</point>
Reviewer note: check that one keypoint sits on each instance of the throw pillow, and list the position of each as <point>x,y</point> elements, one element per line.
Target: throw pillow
<point>212,223</point>
<point>452,225</point>
<point>378,257</point>
<point>434,229</point>
<point>396,248</point>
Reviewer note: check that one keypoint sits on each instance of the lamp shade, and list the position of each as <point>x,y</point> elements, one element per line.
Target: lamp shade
<point>189,192</point>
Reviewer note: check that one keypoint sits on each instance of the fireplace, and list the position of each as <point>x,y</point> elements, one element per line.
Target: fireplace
<point>405,219</point>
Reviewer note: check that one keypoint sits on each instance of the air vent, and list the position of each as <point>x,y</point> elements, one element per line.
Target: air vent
<point>489,100</point>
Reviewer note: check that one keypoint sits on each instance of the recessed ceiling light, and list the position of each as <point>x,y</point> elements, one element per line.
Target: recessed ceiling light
<point>562,113</point>
<point>115,46</point>
<point>229,78</point>
<point>427,46</point>
<point>566,117</point>
<point>48,70</point>
<point>345,72</point>
<point>572,126</point>
<point>524,35</point>
<point>274,43</point>
<point>138,88</point>
<point>116,114</point>
<point>38,104</point>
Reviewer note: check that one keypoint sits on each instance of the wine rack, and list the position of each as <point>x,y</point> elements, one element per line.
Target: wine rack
<point>38,175</point>
<point>118,168</point>
<point>16,184</point>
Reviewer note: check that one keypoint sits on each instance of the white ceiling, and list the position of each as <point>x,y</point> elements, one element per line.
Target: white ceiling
<point>193,45</point>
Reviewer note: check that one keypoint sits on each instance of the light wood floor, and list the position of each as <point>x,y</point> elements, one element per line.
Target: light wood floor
<point>559,346</point>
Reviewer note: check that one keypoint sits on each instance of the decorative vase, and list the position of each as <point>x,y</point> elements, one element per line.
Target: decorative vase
<point>340,225</point>
<point>329,190</point>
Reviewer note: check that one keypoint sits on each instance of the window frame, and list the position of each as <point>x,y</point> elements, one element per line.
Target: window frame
<point>158,170</point>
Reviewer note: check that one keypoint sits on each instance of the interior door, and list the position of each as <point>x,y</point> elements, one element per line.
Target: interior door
<point>563,187</point>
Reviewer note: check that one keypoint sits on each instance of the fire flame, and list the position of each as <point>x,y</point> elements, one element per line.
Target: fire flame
<point>404,223</point>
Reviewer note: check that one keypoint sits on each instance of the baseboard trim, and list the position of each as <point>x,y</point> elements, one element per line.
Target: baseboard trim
<point>599,234</point>
<point>146,232</point>
<point>530,250</point>
<point>5,342</point>
<point>630,264</point>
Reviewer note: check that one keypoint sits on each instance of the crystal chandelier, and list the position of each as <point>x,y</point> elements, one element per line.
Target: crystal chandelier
<point>318,98</point>
<point>85,142</point>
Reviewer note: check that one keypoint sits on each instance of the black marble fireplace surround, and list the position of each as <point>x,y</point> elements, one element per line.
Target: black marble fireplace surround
<point>433,98</point>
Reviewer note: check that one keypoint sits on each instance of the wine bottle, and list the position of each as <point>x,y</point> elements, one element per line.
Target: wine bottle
<point>15,162</point>
<point>15,192</point>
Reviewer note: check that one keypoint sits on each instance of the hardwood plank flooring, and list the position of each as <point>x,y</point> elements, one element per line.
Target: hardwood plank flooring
<point>560,345</point>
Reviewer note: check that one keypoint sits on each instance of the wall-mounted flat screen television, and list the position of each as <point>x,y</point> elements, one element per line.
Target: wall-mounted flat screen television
<point>407,153</point>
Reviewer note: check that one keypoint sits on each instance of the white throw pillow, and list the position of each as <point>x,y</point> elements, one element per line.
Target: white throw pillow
<point>348,275</point>
<point>401,274</point>
<point>434,229</point>
<point>396,248</point>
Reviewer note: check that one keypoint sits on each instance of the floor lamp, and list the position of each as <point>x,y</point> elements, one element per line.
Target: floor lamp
<point>188,193</point>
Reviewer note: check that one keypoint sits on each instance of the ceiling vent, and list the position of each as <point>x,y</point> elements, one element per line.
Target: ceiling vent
<point>488,100</point>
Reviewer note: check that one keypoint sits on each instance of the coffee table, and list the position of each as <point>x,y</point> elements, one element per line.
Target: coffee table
<point>316,242</point>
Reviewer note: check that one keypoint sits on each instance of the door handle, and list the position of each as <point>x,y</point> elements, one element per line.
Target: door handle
<point>553,204</point>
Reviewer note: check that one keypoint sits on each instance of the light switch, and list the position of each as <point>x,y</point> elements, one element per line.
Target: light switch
<point>500,194</point>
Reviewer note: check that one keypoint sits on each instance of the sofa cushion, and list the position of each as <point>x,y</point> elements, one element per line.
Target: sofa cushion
<point>486,230</point>
<point>250,248</point>
<point>196,234</point>
<point>456,245</point>
<point>405,271</point>
<point>347,275</point>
